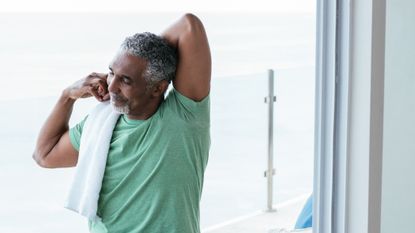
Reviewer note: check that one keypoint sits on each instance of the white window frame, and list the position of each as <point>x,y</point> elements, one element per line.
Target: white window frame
<point>349,115</point>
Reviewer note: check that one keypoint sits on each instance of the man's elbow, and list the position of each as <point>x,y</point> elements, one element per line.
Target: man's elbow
<point>40,160</point>
<point>193,23</point>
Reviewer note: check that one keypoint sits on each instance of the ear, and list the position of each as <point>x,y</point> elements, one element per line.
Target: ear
<point>160,88</point>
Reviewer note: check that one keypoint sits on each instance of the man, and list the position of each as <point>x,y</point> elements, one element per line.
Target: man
<point>159,146</point>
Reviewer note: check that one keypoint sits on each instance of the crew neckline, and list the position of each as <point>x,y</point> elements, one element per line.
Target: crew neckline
<point>132,121</point>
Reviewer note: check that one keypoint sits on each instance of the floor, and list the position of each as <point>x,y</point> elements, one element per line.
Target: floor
<point>263,221</point>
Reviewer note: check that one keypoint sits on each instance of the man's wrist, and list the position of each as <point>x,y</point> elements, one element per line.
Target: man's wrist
<point>66,97</point>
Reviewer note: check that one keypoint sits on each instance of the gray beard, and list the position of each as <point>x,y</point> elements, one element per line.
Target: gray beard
<point>121,109</point>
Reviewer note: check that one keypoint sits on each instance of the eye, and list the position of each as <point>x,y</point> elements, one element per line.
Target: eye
<point>126,80</point>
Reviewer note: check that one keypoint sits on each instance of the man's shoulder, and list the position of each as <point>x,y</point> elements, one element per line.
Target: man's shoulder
<point>188,110</point>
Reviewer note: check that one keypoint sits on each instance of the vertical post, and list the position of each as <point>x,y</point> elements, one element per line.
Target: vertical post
<point>270,99</point>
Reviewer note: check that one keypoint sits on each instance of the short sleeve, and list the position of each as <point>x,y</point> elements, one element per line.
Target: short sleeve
<point>197,112</point>
<point>75,134</point>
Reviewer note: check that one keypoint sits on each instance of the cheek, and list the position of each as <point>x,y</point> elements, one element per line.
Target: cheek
<point>129,96</point>
<point>137,97</point>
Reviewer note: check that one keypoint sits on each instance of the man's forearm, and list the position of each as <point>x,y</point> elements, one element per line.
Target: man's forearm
<point>55,126</point>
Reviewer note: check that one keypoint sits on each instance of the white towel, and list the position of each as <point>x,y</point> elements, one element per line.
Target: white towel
<point>95,141</point>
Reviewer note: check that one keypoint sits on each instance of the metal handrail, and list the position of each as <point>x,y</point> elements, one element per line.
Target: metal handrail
<point>269,173</point>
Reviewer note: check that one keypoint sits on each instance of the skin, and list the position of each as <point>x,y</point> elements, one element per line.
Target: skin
<point>127,89</point>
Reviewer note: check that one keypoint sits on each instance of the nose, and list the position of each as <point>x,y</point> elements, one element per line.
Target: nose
<point>112,84</point>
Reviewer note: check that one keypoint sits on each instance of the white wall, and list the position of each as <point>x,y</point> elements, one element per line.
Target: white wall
<point>398,180</point>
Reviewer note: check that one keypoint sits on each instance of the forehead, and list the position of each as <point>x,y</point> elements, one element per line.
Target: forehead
<point>127,64</point>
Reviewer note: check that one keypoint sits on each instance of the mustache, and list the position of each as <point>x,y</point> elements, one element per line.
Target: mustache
<point>115,97</point>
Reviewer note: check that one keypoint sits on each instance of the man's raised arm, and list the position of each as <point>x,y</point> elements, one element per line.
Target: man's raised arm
<point>53,146</point>
<point>194,68</point>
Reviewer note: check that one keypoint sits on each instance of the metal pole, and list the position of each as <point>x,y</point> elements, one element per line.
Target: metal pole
<point>270,170</point>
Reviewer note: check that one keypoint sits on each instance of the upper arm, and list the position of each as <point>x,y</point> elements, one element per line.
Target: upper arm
<point>193,72</point>
<point>63,154</point>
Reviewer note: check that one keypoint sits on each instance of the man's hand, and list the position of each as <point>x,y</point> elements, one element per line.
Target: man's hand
<point>94,84</point>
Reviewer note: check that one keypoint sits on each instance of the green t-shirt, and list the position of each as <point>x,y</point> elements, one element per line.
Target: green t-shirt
<point>154,172</point>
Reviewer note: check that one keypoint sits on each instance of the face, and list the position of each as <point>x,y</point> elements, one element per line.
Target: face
<point>127,87</point>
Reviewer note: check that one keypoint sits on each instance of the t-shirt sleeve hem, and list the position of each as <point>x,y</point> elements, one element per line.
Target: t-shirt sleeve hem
<point>73,140</point>
<point>186,100</point>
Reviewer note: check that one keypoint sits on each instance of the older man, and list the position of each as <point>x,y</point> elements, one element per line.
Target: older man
<point>159,146</point>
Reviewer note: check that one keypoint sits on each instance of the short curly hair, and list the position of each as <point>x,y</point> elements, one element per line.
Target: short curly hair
<point>160,56</point>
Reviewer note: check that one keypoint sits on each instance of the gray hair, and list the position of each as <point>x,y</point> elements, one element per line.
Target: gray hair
<point>160,56</point>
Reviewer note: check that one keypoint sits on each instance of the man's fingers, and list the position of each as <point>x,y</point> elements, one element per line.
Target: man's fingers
<point>95,84</point>
<point>99,85</point>
<point>100,82</point>
<point>103,89</point>
<point>102,76</point>
<point>99,90</point>
<point>106,97</point>
<point>94,91</point>
<point>95,80</point>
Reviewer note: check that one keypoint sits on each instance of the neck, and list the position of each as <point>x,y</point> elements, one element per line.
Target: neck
<point>146,112</point>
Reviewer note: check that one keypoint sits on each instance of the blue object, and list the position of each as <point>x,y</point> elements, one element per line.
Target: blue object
<point>305,219</point>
